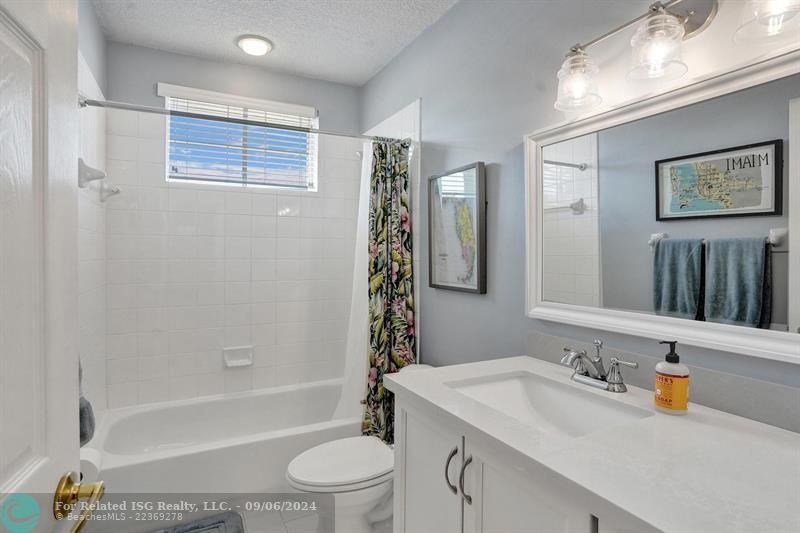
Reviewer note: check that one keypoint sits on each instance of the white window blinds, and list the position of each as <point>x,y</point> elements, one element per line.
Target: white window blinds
<point>241,154</point>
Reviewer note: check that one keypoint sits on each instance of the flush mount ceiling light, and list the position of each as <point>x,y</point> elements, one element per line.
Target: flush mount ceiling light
<point>254,45</point>
<point>656,50</point>
<point>768,20</point>
<point>577,86</point>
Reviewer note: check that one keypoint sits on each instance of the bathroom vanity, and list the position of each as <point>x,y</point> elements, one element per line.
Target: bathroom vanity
<point>513,445</point>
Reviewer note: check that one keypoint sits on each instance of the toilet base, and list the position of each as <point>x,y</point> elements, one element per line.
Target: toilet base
<point>352,509</point>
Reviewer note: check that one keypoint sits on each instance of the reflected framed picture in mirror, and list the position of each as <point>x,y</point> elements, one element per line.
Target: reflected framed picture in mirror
<point>733,182</point>
<point>457,229</point>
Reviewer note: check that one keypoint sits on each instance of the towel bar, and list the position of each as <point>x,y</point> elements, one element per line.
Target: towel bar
<point>777,236</point>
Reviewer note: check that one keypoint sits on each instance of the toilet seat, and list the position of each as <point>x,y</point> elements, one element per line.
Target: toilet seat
<point>342,465</point>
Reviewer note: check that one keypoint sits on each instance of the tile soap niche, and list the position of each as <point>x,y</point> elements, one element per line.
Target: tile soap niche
<point>237,356</point>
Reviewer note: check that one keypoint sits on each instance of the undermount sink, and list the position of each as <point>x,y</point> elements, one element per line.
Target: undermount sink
<point>548,406</point>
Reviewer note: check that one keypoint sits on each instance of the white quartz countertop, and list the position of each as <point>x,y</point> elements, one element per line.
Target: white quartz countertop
<point>706,472</point>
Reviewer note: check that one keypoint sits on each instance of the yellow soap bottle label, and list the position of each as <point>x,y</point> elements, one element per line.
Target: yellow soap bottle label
<point>672,392</point>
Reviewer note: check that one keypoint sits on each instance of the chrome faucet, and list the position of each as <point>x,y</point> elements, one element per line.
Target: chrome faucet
<point>590,370</point>
<point>589,366</point>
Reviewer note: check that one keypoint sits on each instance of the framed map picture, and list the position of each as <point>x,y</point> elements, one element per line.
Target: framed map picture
<point>457,229</point>
<point>739,181</point>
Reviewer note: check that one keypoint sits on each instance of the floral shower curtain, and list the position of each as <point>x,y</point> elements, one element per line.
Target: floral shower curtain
<point>391,283</point>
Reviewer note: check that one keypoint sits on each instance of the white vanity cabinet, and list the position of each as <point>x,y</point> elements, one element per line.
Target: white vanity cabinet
<point>480,493</point>
<point>425,452</point>
<point>508,500</point>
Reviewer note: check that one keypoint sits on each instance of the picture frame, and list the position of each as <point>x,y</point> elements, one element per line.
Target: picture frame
<point>457,229</point>
<point>740,181</point>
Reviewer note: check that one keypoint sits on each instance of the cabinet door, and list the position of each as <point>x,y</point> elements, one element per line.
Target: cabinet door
<point>424,503</point>
<point>506,500</point>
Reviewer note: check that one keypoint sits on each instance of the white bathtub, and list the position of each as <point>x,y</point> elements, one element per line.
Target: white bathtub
<point>231,443</point>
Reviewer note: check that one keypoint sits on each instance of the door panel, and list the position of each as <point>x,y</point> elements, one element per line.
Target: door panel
<point>21,250</point>
<point>422,496</point>
<point>38,249</point>
<point>505,500</point>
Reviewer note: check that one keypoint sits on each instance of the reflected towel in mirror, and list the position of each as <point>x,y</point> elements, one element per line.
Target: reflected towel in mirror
<point>739,282</point>
<point>678,278</point>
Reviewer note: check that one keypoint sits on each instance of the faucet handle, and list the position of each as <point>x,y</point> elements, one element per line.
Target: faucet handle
<point>614,378</point>
<point>598,345</point>
<point>615,361</point>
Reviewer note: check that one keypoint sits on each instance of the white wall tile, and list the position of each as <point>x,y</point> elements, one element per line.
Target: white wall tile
<point>194,268</point>
<point>182,199</point>
<point>122,172</point>
<point>154,390</point>
<point>123,394</point>
<point>151,151</point>
<point>122,370</point>
<point>122,148</point>
<point>210,202</point>
<point>152,126</point>
<point>239,379</point>
<point>238,225</point>
<point>570,248</point>
<point>152,174</point>
<point>237,203</point>
<point>263,204</point>
<point>263,248</point>
<point>120,122</point>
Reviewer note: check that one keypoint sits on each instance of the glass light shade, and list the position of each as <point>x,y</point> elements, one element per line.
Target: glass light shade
<point>254,45</point>
<point>657,49</point>
<point>577,86</point>
<point>768,20</point>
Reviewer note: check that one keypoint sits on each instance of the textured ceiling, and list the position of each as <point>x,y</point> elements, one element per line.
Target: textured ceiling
<point>345,41</point>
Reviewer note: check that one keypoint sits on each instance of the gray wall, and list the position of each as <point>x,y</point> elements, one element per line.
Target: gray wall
<point>134,71</point>
<point>92,43</point>
<point>627,184</point>
<point>486,76</point>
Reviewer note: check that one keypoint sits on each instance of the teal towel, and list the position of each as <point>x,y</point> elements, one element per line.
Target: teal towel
<point>678,277</point>
<point>738,282</point>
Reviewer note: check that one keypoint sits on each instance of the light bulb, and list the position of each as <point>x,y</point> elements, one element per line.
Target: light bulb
<point>656,48</point>
<point>254,45</point>
<point>577,87</point>
<point>768,20</point>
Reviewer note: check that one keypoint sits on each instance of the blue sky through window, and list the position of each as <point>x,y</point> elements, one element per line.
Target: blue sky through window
<point>219,151</point>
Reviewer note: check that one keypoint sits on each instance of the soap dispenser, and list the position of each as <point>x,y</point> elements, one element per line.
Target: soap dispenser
<point>672,383</point>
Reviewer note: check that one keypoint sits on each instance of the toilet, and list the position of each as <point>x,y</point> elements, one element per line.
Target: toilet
<point>358,471</point>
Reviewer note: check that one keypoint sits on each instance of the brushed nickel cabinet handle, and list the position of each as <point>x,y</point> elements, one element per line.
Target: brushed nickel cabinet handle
<point>467,497</point>
<point>450,486</point>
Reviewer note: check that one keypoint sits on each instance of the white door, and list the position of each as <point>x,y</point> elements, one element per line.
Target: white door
<point>428,458</point>
<point>508,500</point>
<point>38,265</point>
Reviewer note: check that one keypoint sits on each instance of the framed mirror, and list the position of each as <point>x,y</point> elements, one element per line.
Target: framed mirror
<point>675,216</point>
<point>457,229</point>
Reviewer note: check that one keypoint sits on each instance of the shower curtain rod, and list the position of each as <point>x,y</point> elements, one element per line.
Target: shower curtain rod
<point>87,102</point>
<point>579,166</point>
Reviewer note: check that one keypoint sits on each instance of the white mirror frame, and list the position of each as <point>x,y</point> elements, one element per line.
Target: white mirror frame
<point>767,344</point>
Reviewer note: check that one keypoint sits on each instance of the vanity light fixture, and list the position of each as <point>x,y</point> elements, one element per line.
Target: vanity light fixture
<point>577,86</point>
<point>656,48</point>
<point>768,20</point>
<point>656,51</point>
<point>254,45</point>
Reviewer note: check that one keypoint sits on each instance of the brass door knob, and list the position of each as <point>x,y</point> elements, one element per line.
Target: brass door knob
<point>69,493</point>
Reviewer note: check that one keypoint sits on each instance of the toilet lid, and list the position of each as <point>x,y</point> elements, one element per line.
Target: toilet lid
<point>342,462</point>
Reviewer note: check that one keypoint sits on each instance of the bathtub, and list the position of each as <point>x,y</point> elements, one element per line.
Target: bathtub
<point>237,443</point>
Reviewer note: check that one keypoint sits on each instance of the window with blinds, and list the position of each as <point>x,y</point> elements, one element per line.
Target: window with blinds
<point>205,150</point>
